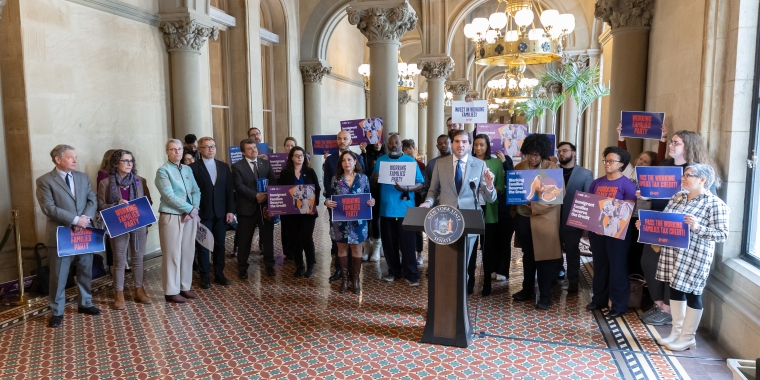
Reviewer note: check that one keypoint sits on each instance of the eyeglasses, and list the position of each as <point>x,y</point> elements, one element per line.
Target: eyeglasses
<point>689,175</point>
<point>533,155</point>
<point>132,161</point>
<point>564,150</point>
<point>675,143</point>
<point>609,162</point>
<point>298,156</point>
<point>210,147</point>
<point>176,150</point>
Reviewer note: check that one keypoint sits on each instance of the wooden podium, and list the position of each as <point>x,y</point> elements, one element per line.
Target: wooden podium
<point>448,318</point>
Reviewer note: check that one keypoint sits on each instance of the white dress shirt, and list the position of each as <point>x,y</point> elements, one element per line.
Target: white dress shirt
<point>63,176</point>
<point>211,167</point>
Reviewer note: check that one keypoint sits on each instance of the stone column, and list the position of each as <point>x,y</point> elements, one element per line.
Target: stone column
<point>630,25</point>
<point>184,40</point>
<point>312,73</point>
<point>383,23</point>
<point>459,89</point>
<point>404,128</point>
<point>422,142</point>
<point>6,204</point>
<point>590,160</point>
<point>435,69</point>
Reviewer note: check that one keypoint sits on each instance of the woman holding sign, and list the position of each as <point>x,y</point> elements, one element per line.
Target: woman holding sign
<point>610,253</point>
<point>349,179</point>
<point>121,186</point>
<point>300,227</point>
<point>686,270</point>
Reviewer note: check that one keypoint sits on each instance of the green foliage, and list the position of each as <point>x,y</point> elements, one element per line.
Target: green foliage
<point>581,83</point>
<point>537,107</point>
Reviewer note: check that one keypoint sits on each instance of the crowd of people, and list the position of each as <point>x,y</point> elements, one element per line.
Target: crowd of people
<point>196,188</point>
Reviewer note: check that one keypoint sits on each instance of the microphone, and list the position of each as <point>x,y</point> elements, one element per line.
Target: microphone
<point>474,193</point>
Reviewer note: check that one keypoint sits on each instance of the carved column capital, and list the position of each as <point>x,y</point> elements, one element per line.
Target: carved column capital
<point>458,87</point>
<point>473,94</point>
<point>382,20</point>
<point>187,34</point>
<point>553,87</point>
<point>622,13</point>
<point>581,59</point>
<point>422,105</point>
<point>404,97</point>
<point>436,67</point>
<point>366,93</point>
<point>314,72</point>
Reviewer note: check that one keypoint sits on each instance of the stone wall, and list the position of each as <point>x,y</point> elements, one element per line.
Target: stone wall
<point>343,89</point>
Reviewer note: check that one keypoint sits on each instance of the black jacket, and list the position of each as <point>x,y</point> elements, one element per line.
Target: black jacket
<point>246,187</point>
<point>216,200</point>
<point>288,177</point>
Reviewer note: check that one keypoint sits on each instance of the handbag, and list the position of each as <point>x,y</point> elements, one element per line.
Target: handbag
<point>638,282</point>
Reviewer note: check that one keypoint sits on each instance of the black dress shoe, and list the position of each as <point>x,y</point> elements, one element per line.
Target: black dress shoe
<point>55,321</point>
<point>524,295</point>
<point>298,273</point>
<point>92,310</point>
<point>593,306</point>
<point>486,292</point>
<point>270,271</point>
<point>309,272</point>
<point>572,288</point>
<point>221,281</point>
<point>335,276</point>
<point>206,284</point>
<point>615,314</point>
<point>543,304</point>
<point>243,276</point>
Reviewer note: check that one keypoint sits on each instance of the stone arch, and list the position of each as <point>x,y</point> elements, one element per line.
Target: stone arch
<point>317,31</point>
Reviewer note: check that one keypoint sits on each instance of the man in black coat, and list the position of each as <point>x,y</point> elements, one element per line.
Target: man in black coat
<point>247,176</point>
<point>217,207</point>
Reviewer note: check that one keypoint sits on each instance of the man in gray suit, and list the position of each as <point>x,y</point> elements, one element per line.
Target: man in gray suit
<point>67,199</point>
<point>454,178</point>
<point>576,179</point>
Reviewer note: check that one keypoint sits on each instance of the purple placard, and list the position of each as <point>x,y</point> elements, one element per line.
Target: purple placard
<point>324,144</point>
<point>542,185</point>
<point>351,207</point>
<point>493,131</point>
<point>663,228</point>
<point>278,161</point>
<point>86,240</point>
<point>601,215</point>
<point>512,136</point>
<point>128,217</point>
<point>659,182</point>
<point>642,125</point>
<point>291,199</point>
<point>369,130</point>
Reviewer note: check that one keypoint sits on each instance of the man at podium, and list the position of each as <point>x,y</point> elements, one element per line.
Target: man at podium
<point>457,180</point>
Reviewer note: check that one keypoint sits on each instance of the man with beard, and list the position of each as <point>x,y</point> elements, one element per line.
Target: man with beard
<point>329,167</point>
<point>393,208</point>
<point>444,149</point>
<point>576,179</point>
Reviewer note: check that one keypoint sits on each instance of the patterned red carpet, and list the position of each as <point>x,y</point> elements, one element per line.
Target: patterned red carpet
<point>283,327</point>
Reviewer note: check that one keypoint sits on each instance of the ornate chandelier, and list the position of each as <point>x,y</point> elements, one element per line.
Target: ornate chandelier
<point>407,75</point>
<point>496,47</point>
<point>514,85</point>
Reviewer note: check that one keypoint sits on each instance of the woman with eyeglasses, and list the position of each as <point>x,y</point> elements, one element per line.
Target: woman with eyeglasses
<point>537,229</point>
<point>610,253</point>
<point>300,227</point>
<point>685,270</point>
<point>121,186</point>
<point>685,148</point>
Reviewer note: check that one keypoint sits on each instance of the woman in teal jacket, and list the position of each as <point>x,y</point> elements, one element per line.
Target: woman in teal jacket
<point>481,149</point>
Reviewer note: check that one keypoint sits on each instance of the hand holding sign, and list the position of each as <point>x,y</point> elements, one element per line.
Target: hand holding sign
<point>643,125</point>
<point>397,172</point>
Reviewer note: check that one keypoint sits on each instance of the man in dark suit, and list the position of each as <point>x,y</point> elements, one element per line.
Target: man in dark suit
<point>67,199</point>
<point>576,179</point>
<point>329,167</point>
<point>217,207</point>
<point>247,174</point>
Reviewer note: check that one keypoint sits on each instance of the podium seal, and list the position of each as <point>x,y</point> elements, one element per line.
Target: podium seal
<point>444,224</point>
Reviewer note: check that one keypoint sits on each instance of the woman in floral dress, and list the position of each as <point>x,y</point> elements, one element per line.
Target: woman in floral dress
<point>349,180</point>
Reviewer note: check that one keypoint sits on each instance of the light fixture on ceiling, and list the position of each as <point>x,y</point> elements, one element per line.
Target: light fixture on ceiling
<point>514,84</point>
<point>423,99</point>
<point>407,74</point>
<point>496,46</point>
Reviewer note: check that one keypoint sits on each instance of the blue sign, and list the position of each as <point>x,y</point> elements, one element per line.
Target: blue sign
<point>444,224</point>
<point>263,148</point>
<point>261,185</point>
<point>86,240</point>
<point>663,228</point>
<point>659,182</point>
<point>642,125</point>
<point>351,207</point>
<point>235,154</point>
<point>541,185</point>
<point>324,144</point>
<point>128,217</point>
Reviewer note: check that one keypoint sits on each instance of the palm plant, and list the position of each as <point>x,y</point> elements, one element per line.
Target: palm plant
<point>537,107</point>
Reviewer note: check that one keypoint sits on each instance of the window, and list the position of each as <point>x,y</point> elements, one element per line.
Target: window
<point>267,76</point>
<point>751,228</point>
<point>220,99</point>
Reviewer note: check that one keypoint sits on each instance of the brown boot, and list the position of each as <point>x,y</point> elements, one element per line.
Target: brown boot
<point>141,297</point>
<point>118,301</point>
<point>343,273</point>
<point>356,263</point>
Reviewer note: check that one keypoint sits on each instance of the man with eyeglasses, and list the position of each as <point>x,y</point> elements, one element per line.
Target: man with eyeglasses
<point>217,208</point>
<point>577,178</point>
<point>255,135</point>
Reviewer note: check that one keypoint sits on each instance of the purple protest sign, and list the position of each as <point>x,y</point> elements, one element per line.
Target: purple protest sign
<point>642,125</point>
<point>600,215</point>
<point>493,131</point>
<point>324,144</point>
<point>351,207</point>
<point>512,136</point>
<point>278,160</point>
<point>369,130</point>
<point>542,185</point>
<point>659,182</point>
<point>663,228</point>
<point>291,199</point>
<point>86,240</point>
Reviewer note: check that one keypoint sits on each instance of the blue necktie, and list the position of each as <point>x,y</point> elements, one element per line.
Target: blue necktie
<point>458,176</point>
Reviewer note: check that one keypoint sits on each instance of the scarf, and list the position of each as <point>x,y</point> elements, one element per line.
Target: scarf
<point>116,181</point>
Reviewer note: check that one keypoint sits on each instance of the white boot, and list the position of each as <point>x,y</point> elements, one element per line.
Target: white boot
<point>377,246</point>
<point>366,246</point>
<point>687,339</point>
<point>678,311</point>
